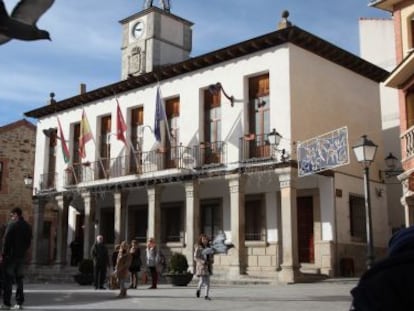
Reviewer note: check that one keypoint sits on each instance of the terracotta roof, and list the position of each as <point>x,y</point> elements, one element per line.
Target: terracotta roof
<point>19,123</point>
<point>293,34</point>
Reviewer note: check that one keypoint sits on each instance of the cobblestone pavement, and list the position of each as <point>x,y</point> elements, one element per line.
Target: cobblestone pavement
<point>312,296</point>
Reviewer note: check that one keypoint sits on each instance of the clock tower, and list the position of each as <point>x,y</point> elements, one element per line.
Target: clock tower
<point>152,38</point>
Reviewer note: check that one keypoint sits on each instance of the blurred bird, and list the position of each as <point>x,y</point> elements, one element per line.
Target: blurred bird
<point>21,24</point>
<point>218,246</point>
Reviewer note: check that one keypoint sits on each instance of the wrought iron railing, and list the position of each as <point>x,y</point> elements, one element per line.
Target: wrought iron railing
<point>256,147</point>
<point>48,181</point>
<point>210,153</point>
<point>178,157</point>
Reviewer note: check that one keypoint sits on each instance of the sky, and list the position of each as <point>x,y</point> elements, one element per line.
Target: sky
<point>86,40</point>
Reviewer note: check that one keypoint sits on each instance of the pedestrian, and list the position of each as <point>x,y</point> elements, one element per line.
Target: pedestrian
<point>115,255</point>
<point>122,268</point>
<point>135,266</point>
<point>100,257</point>
<point>151,256</point>
<point>17,240</point>
<point>387,285</point>
<point>203,265</point>
<point>76,251</point>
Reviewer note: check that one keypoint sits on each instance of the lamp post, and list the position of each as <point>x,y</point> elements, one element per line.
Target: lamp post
<point>365,151</point>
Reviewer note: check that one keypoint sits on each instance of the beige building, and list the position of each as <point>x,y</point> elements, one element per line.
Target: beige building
<point>219,162</point>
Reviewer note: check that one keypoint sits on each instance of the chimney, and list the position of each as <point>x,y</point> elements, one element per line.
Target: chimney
<point>82,88</point>
<point>52,100</point>
<point>284,23</point>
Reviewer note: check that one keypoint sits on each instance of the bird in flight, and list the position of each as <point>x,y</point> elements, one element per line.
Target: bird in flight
<point>21,24</point>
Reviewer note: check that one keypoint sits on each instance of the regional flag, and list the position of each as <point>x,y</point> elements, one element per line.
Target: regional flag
<point>65,149</point>
<point>121,126</point>
<point>160,115</point>
<point>85,134</point>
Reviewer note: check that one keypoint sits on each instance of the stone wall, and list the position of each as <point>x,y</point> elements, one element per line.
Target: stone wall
<point>17,152</point>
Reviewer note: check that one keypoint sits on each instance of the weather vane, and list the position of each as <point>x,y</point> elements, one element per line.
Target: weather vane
<point>165,4</point>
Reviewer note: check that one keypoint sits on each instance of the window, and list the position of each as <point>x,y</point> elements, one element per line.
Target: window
<point>172,143</point>
<point>1,174</point>
<point>48,179</point>
<point>255,218</point>
<point>211,218</point>
<point>211,150</point>
<point>172,223</point>
<point>357,218</point>
<point>410,107</point>
<point>106,225</point>
<point>137,120</point>
<point>259,115</point>
<point>105,147</point>
<point>138,223</point>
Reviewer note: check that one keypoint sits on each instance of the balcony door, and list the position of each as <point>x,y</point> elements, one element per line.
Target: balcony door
<point>259,116</point>
<point>172,150</point>
<point>211,149</point>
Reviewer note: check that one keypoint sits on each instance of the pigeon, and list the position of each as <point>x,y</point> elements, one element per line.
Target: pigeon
<point>21,24</point>
<point>218,246</point>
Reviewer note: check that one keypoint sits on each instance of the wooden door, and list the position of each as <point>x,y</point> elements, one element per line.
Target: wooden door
<point>305,230</point>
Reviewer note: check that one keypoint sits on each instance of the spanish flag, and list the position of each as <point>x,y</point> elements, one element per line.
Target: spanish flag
<point>85,134</point>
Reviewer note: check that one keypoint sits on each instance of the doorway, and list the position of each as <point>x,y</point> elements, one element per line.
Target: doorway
<point>305,230</point>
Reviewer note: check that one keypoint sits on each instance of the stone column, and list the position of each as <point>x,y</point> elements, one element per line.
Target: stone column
<point>117,217</point>
<point>154,213</point>
<point>87,224</point>
<point>38,216</point>
<point>192,222</point>
<point>237,225</point>
<point>60,243</point>
<point>290,262</point>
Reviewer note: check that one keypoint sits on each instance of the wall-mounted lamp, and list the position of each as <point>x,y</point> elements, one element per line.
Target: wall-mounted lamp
<point>49,132</point>
<point>216,88</point>
<point>392,163</point>
<point>274,139</point>
<point>28,180</point>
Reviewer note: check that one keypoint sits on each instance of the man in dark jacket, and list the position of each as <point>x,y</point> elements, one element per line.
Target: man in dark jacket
<point>388,284</point>
<point>17,241</point>
<point>100,256</point>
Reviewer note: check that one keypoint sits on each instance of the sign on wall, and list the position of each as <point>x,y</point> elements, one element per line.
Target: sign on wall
<point>323,152</point>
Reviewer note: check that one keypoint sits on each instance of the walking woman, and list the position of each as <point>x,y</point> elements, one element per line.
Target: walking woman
<point>204,261</point>
<point>135,263</point>
<point>123,263</point>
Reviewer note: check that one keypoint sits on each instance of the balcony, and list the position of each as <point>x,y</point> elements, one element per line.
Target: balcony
<point>408,142</point>
<point>210,154</point>
<point>136,163</point>
<point>47,182</point>
<point>256,148</point>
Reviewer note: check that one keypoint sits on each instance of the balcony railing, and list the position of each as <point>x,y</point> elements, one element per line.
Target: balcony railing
<point>256,147</point>
<point>408,140</point>
<point>48,181</point>
<point>210,153</point>
<point>137,163</point>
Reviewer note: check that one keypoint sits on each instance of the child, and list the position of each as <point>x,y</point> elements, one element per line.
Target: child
<point>122,268</point>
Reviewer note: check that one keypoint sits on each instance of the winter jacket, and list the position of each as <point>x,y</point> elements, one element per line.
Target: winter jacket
<point>122,265</point>
<point>17,239</point>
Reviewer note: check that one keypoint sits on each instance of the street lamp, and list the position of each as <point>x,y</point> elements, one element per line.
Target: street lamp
<point>365,151</point>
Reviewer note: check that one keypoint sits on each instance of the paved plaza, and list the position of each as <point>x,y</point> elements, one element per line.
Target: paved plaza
<point>331,295</point>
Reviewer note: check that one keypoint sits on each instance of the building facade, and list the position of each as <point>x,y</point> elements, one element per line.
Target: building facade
<point>401,78</point>
<point>195,147</point>
<point>377,45</point>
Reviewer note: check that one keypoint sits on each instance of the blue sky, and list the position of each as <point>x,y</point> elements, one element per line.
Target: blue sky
<point>87,37</point>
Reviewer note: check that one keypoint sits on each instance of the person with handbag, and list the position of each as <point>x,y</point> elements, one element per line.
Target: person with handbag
<point>135,266</point>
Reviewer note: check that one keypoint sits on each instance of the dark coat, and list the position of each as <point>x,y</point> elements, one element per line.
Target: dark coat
<point>388,285</point>
<point>17,239</point>
<point>100,255</point>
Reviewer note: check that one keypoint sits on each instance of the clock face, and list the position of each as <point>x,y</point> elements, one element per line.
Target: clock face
<point>138,30</point>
